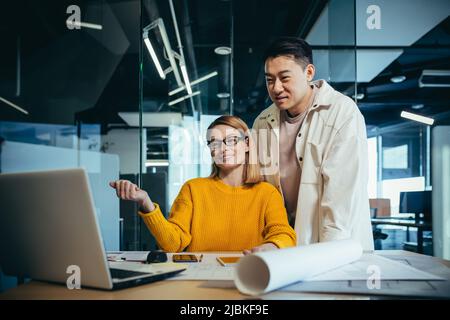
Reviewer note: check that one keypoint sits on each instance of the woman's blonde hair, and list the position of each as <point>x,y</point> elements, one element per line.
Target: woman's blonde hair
<point>251,170</point>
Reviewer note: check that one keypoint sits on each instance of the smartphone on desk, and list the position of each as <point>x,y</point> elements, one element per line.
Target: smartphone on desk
<point>186,258</point>
<point>228,261</point>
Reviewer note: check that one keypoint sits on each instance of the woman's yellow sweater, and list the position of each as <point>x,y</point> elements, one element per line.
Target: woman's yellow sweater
<point>209,215</point>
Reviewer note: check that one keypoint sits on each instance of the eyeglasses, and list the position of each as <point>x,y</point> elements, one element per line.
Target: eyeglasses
<point>229,141</point>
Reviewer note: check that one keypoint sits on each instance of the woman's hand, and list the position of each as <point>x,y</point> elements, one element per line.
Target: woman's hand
<point>263,247</point>
<point>126,190</point>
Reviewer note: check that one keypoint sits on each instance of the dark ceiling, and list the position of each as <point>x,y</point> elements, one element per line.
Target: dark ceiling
<point>91,76</point>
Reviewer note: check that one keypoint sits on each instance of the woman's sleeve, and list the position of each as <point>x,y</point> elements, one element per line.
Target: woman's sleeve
<point>173,234</point>
<point>277,229</point>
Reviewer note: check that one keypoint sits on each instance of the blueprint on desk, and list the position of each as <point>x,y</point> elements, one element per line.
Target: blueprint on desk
<point>426,288</point>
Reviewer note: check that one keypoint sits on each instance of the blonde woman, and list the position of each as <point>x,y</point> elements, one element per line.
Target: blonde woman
<point>231,210</point>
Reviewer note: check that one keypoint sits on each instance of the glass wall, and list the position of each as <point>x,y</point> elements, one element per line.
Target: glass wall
<point>102,84</point>
<point>370,51</point>
<point>400,162</point>
<point>393,58</point>
<point>67,69</point>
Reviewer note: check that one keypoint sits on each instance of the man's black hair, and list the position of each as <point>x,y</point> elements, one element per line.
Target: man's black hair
<point>294,47</point>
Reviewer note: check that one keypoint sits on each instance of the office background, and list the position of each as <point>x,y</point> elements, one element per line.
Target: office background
<point>79,87</point>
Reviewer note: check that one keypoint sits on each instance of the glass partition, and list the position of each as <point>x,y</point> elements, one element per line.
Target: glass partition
<point>127,88</point>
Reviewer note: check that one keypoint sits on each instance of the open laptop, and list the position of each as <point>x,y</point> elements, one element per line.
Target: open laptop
<point>48,225</point>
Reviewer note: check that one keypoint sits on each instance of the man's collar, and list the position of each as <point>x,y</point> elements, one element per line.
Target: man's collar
<point>324,91</point>
<point>321,100</point>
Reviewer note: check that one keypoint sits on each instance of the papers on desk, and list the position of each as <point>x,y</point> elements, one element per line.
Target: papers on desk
<point>332,267</point>
<point>200,271</point>
<point>370,263</point>
<point>405,288</point>
<point>148,268</point>
<point>330,261</point>
<point>427,288</point>
<point>128,256</point>
<point>208,269</point>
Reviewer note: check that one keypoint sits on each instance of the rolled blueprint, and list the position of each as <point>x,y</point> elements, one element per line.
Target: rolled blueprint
<point>266,271</point>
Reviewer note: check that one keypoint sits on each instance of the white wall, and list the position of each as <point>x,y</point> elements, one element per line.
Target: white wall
<point>125,143</point>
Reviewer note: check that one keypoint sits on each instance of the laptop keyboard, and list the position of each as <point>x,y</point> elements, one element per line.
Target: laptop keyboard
<point>123,274</point>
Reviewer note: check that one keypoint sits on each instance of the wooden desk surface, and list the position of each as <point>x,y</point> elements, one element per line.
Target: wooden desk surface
<point>172,290</point>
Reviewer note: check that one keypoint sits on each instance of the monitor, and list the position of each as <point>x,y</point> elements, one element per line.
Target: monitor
<point>418,202</point>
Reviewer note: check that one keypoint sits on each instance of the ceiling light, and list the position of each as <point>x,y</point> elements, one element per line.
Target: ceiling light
<point>79,24</point>
<point>223,95</point>
<point>150,49</point>
<point>434,78</point>
<point>201,79</point>
<point>159,24</point>
<point>152,119</point>
<point>398,79</point>
<point>171,103</point>
<point>359,96</point>
<point>416,117</point>
<point>9,103</point>
<point>223,51</point>
<point>156,163</point>
<point>185,77</point>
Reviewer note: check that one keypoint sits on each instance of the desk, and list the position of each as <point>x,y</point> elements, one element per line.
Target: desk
<point>176,290</point>
<point>420,225</point>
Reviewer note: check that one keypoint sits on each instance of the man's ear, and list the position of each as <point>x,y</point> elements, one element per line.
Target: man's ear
<point>310,71</point>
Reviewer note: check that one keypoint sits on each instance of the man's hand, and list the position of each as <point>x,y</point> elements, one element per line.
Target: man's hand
<point>263,247</point>
<point>126,190</point>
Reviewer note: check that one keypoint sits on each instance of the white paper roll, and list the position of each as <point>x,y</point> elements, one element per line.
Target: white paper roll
<point>266,271</point>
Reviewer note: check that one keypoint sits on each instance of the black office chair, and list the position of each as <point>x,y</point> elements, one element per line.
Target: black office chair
<point>378,236</point>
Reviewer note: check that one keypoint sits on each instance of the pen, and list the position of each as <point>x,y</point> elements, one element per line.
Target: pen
<point>201,257</point>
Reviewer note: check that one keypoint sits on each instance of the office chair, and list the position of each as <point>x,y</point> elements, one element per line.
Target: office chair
<point>378,236</point>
